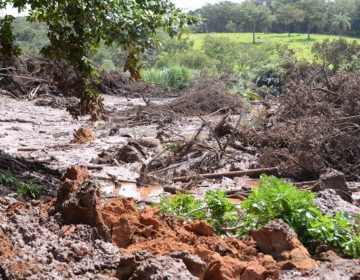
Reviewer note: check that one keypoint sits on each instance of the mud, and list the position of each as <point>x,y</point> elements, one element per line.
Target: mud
<point>90,230</point>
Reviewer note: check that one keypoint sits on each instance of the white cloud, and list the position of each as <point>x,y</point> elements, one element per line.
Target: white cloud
<point>194,4</point>
<point>11,11</point>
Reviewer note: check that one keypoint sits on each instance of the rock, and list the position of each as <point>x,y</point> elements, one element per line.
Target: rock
<point>339,269</point>
<point>333,179</point>
<point>328,256</point>
<point>83,135</point>
<point>331,203</point>
<point>78,200</point>
<point>128,154</point>
<point>194,264</point>
<point>200,228</point>
<point>149,142</point>
<point>144,266</point>
<point>280,241</point>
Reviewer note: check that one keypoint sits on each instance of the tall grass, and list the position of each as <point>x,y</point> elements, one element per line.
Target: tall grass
<point>176,76</point>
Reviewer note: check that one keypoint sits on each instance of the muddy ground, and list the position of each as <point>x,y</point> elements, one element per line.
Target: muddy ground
<point>88,224</point>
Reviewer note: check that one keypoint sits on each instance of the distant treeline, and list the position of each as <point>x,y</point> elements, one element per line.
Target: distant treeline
<point>303,16</point>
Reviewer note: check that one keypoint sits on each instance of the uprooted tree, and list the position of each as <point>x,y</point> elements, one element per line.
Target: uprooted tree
<point>76,29</point>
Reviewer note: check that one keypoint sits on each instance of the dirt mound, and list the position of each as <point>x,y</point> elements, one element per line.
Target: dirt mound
<point>144,266</point>
<point>281,242</point>
<point>84,135</point>
<point>42,249</point>
<point>314,128</point>
<point>148,230</point>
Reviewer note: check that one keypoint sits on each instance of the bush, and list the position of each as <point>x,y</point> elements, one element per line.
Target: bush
<point>335,53</point>
<point>274,199</point>
<point>192,59</point>
<point>178,77</point>
<point>216,209</point>
<point>277,199</point>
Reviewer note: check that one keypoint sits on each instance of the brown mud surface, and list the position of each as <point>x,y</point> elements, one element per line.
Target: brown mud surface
<point>96,224</point>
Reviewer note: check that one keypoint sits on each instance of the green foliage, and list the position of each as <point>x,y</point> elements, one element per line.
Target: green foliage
<point>32,190</point>
<point>289,14</point>
<point>335,53</point>
<point>8,48</point>
<point>176,76</point>
<point>225,53</point>
<point>274,199</point>
<point>183,205</point>
<point>108,65</point>
<point>341,24</point>
<point>277,199</point>
<point>216,209</point>
<point>6,177</point>
<point>76,29</point>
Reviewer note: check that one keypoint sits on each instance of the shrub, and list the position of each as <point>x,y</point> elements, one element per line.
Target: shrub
<point>277,199</point>
<point>177,77</point>
<point>216,209</point>
<point>274,199</point>
<point>335,53</point>
<point>192,59</point>
<point>32,190</point>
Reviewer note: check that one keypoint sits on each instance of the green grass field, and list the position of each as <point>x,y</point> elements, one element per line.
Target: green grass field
<point>298,42</point>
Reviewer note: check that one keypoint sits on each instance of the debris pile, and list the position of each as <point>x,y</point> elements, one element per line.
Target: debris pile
<point>314,128</point>
<point>205,97</point>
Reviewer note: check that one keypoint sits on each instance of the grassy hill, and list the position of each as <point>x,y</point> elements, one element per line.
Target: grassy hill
<point>298,42</point>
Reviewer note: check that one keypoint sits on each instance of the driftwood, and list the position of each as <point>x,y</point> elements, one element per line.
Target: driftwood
<point>250,172</point>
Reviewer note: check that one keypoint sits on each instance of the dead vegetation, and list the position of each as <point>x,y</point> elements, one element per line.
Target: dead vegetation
<point>202,98</point>
<point>30,77</point>
<point>315,127</point>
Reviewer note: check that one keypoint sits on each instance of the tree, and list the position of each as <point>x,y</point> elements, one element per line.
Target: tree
<point>314,12</point>
<point>8,48</point>
<point>289,14</point>
<point>341,24</point>
<point>218,15</point>
<point>256,17</point>
<point>76,29</point>
<point>231,27</point>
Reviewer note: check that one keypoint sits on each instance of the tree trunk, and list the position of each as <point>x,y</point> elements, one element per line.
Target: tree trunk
<point>254,40</point>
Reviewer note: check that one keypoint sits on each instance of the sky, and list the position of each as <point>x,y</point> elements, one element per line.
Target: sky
<point>194,4</point>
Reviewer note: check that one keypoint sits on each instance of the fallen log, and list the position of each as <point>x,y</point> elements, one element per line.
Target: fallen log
<point>250,172</point>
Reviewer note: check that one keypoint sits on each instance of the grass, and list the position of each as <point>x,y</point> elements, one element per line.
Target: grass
<point>298,42</point>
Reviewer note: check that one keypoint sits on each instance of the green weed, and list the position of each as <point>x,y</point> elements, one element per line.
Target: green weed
<point>6,177</point>
<point>216,209</point>
<point>278,199</point>
<point>274,199</point>
<point>32,190</point>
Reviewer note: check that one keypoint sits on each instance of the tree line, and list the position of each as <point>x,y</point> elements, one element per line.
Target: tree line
<point>303,16</point>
